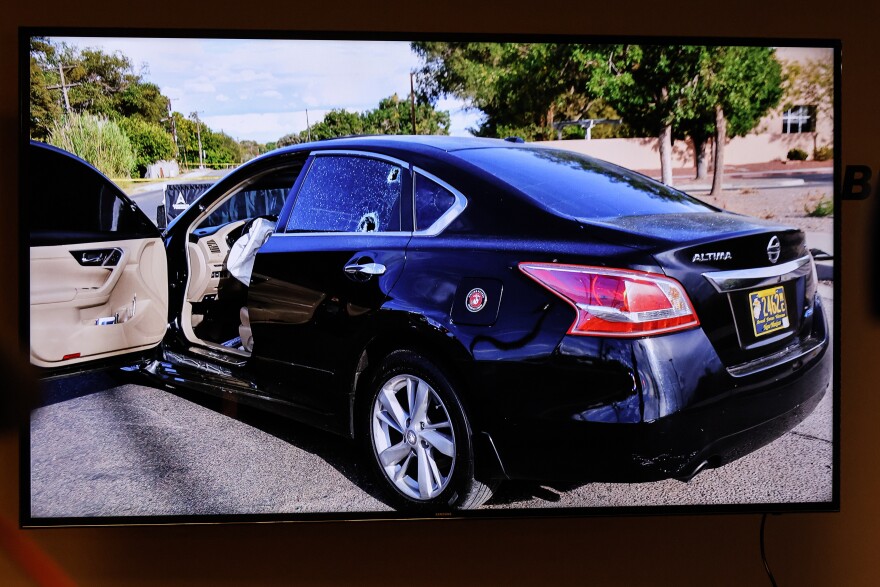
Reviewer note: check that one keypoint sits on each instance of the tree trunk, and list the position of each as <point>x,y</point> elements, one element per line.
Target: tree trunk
<point>551,118</point>
<point>666,154</point>
<point>701,161</point>
<point>720,138</point>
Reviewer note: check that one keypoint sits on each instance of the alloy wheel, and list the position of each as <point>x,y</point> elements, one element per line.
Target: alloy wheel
<point>413,437</point>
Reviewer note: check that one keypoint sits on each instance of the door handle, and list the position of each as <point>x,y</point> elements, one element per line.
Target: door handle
<point>98,257</point>
<point>365,269</point>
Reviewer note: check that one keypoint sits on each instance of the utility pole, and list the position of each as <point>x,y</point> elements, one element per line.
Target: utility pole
<point>63,87</point>
<point>412,103</point>
<point>308,126</point>
<point>173,125</point>
<point>195,115</point>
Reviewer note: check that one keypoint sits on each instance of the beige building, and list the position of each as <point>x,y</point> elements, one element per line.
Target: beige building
<point>798,126</point>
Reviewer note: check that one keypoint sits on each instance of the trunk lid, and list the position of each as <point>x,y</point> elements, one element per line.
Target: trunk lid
<point>752,282</point>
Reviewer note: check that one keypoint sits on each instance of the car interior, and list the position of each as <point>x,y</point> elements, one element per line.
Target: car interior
<point>215,312</point>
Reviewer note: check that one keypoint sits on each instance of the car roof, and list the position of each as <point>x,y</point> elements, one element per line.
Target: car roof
<point>425,144</point>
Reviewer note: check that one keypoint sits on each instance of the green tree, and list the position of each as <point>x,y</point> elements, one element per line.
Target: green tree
<point>336,123</point>
<point>252,149</point>
<point>187,141</point>
<point>393,116</point>
<point>654,89</point>
<point>96,139</point>
<point>522,88</point>
<point>44,109</point>
<point>220,148</point>
<point>289,139</point>
<point>741,85</point>
<point>97,78</point>
<point>142,100</point>
<point>810,83</point>
<point>151,143</point>
<point>99,83</point>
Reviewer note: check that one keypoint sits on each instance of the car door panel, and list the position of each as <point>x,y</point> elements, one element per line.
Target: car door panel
<point>319,284</point>
<point>310,317</point>
<point>80,313</point>
<point>98,267</point>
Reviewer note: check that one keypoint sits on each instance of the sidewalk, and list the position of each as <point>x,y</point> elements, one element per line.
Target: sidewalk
<point>773,174</point>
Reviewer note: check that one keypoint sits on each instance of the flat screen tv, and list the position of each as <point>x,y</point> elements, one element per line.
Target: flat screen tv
<point>347,276</point>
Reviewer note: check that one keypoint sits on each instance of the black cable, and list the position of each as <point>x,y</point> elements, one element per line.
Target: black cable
<point>764,555</point>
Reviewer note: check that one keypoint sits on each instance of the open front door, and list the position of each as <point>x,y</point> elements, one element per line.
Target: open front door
<point>98,267</point>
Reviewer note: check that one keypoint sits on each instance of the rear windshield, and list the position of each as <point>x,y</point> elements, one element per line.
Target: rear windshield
<point>577,186</point>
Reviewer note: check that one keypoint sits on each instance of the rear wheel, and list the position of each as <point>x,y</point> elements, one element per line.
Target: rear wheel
<point>418,437</point>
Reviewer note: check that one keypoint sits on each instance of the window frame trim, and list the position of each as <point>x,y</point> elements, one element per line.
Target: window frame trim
<point>445,219</point>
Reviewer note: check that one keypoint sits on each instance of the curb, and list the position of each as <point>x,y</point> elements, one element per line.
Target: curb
<point>748,184</point>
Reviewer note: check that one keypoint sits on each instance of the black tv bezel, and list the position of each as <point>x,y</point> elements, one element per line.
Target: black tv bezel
<point>28,521</point>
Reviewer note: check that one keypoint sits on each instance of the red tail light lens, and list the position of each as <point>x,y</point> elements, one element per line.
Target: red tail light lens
<point>617,302</point>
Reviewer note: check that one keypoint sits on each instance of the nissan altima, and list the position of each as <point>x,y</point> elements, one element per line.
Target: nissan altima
<point>468,310</point>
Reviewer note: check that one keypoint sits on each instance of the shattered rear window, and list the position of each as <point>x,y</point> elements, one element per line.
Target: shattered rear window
<point>577,186</point>
<point>348,194</point>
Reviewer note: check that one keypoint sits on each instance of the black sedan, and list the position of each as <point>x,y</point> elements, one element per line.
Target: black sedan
<point>468,310</point>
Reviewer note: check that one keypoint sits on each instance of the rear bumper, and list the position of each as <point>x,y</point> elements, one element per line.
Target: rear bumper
<point>666,408</point>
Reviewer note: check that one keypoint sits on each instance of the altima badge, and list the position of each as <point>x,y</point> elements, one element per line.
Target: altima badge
<point>774,249</point>
<point>476,300</point>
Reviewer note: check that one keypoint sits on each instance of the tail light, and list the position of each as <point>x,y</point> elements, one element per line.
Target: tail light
<point>617,302</point>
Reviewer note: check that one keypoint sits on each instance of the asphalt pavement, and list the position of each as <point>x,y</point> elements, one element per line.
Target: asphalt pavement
<point>104,448</point>
<point>149,196</point>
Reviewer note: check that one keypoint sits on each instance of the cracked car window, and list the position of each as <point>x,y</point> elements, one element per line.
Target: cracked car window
<point>348,194</point>
<point>432,200</point>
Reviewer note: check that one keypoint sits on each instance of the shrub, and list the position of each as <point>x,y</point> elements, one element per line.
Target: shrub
<point>97,140</point>
<point>797,155</point>
<point>824,207</point>
<point>825,153</point>
<point>150,141</point>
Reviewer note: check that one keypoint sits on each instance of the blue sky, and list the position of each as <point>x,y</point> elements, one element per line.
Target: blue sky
<point>261,89</point>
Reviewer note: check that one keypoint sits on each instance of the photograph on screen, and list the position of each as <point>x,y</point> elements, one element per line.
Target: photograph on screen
<point>341,277</point>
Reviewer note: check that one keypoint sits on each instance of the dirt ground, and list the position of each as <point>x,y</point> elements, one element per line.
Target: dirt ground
<point>789,205</point>
<point>786,205</point>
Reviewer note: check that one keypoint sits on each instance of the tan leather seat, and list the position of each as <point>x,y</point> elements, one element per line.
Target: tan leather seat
<point>244,330</point>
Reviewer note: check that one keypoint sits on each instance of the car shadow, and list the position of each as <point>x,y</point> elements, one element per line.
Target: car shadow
<point>339,452</point>
<point>55,391</point>
<point>517,492</point>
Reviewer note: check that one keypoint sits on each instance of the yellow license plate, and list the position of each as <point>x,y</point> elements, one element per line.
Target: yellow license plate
<point>769,310</point>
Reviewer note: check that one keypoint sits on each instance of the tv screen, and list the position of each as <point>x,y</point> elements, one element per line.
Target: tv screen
<point>328,276</point>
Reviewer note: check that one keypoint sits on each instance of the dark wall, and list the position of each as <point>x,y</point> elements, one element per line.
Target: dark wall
<point>817,549</point>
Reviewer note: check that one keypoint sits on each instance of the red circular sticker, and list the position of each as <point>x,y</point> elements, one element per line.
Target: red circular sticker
<point>476,300</point>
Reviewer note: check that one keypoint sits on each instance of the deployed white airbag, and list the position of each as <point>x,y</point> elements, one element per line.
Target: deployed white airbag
<point>243,252</point>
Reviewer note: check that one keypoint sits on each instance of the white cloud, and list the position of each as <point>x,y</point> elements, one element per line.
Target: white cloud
<point>263,127</point>
<point>460,118</point>
<point>235,79</point>
<point>199,86</point>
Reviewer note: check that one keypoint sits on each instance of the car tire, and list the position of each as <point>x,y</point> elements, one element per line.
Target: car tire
<point>417,437</point>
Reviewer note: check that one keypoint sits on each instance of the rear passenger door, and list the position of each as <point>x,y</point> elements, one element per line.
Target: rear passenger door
<point>320,281</point>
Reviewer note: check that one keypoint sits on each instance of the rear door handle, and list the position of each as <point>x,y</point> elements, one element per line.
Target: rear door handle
<point>365,269</point>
